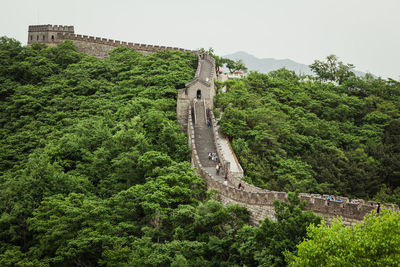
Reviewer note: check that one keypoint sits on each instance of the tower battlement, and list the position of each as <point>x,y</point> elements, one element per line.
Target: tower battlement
<point>47,33</point>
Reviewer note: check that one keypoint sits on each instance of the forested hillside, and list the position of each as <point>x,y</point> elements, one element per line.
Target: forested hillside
<point>95,171</point>
<point>294,133</point>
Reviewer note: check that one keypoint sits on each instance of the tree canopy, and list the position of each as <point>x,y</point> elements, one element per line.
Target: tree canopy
<point>292,132</point>
<point>235,65</point>
<point>95,171</point>
<point>376,242</point>
<point>332,69</point>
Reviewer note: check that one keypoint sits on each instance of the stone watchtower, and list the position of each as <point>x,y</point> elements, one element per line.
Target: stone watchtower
<point>200,88</point>
<point>47,33</point>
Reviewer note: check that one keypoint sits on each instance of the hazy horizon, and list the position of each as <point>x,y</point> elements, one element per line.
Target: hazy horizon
<point>362,32</point>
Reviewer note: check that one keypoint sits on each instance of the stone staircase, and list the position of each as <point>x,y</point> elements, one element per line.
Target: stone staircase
<point>204,140</point>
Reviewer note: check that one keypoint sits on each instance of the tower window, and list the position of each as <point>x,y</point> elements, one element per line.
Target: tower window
<point>52,37</point>
<point>43,37</point>
<point>31,37</point>
<point>37,38</point>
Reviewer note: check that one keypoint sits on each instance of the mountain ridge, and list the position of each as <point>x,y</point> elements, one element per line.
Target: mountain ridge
<point>266,65</point>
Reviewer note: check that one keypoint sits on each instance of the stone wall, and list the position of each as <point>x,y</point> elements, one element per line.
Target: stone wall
<point>90,45</point>
<point>100,47</point>
<point>183,100</point>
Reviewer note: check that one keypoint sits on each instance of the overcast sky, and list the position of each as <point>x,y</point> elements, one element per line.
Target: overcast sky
<point>365,33</point>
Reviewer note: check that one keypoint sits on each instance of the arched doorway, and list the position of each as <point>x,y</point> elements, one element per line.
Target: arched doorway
<point>198,94</point>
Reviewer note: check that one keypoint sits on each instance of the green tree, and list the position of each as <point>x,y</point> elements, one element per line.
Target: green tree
<point>391,157</point>
<point>76,134</point>
<point>376,242</point>
<point>71,230</point>
<point>235,65</point>
<point>332,69</point>
<point>292,133</point>
<point>264,245</point>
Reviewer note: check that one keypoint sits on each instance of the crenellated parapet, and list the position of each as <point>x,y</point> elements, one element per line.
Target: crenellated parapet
<point>51,28</point>
<point>62,36</point>
<point>47,33</point>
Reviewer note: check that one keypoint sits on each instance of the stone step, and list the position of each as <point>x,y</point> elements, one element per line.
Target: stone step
<point>204,138</point>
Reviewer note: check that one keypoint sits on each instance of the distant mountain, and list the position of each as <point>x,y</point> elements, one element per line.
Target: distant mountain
<point>266,65</point>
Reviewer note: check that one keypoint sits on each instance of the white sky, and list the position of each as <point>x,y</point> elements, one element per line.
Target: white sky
<point>365,33</point>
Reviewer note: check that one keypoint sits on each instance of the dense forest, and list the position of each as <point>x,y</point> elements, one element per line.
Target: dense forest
<point>95,171</point>
<point>331,135</point>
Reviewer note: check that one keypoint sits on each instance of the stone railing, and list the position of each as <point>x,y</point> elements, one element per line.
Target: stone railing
<point>233,177</point>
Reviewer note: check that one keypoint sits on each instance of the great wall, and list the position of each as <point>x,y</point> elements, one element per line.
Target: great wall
<point>194,109</point>
<point>90,45</point>
<point>258,201</point>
